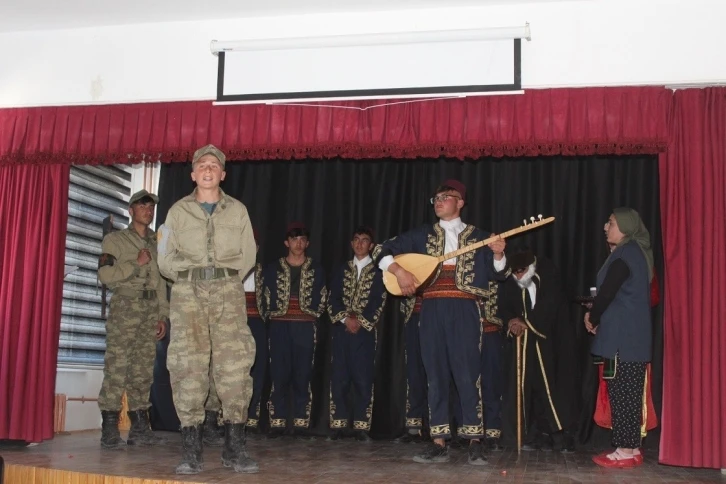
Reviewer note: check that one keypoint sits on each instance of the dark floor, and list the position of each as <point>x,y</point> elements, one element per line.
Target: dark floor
<point>345,461</point>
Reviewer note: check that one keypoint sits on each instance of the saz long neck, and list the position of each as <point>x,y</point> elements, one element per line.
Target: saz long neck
<point>488,241</point>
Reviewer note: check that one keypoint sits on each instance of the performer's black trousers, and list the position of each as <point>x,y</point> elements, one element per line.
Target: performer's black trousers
<point>292,348</point>
<point>416,405</point>
<point>259,369</point>
<point>450,333</point>
<point>354,358</point>
<point>492,382</point>
<point>626,402</point>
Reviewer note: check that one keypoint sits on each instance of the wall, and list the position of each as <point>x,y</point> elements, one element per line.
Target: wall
<point>582,43</point>
<point>76,382</point>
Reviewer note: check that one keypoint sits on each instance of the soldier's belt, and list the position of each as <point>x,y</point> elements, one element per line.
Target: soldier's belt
<point>146,294</point>
<point>206,273</point>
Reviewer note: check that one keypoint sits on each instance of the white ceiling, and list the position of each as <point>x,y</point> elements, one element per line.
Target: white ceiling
<point>17,15</point>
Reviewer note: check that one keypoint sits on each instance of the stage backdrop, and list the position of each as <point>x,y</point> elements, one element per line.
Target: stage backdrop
<point>334,196</point>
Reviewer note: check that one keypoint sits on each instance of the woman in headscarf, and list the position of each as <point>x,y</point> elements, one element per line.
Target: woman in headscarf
<point>620,320</point>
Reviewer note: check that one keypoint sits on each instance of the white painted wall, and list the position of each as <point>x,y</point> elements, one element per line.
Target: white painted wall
<point>585,43</point>
<point>76,381</point>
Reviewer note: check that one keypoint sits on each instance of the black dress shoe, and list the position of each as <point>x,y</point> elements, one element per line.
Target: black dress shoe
<point>458,442</point>
<point>493,445</point>
<point>476,454</point>
<point>408,438</point>
<point>362,436</point>
<point>547,444</point>
<point>335,435</point>
<point>304,434</point>
<point>276,433</point>
<point>530,447</point>
<point>433,454</point>
<point>568,443</point>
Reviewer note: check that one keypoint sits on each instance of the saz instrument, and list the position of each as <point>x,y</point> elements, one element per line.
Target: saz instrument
<point>423,266</point>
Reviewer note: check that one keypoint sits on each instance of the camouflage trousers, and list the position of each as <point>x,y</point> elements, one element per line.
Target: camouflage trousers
<point>210,335</point>
<point>130,353</point>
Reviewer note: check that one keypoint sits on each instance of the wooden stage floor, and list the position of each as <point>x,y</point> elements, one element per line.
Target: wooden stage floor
<point>78,459</point>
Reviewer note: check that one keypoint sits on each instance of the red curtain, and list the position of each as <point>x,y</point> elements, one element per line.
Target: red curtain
<point>34,208</point>
<point>599,120</point>
<point>693,210</point>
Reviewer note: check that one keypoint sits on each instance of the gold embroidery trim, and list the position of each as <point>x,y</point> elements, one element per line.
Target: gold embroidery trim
<point>338,424</point>
<point>471,430</point>
<point>547,386</point>
<point>440,430</point>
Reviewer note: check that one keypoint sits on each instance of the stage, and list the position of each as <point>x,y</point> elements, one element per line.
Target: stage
<point>78,459</point>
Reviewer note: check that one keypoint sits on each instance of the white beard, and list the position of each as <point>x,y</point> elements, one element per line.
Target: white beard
<point>526,279</point>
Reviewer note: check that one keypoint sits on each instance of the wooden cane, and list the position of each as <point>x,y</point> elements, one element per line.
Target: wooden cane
<point>519,394</point>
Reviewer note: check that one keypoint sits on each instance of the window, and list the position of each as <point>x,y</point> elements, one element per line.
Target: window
<point>95,192</point>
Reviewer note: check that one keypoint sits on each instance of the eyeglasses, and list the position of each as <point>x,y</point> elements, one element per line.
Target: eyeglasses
<point>442,198</point>
<point>520,271</point>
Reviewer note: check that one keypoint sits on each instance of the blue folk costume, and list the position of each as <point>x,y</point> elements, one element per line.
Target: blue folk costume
<point>450,323</point>
<point>255,313</point>
<point>295,297</point>
<point>359,294</point>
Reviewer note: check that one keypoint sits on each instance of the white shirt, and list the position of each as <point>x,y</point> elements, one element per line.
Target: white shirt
<point>249,283</point>
<point>360,264</point>
<point>452,229</point>
<point>532,289</point>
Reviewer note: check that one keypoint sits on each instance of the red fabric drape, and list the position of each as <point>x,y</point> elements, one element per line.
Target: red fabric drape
<point>34,208</point>
<point>693,210</point>
<point>599,120</point>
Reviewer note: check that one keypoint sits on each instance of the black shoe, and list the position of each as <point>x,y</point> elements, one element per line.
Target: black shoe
<point>110,435</point>
<point>335,435</point>
<point>458,442</point>
<point>304,434</point>
<point>434,453</point>
<point>213,434</point>
<point>192,462</point>
<point>547,444</point>
<point>568,443</point>
<point>531,445</point>
<point>235,453</point>
<point>140,432</point>
<point>493,445</point>
<point>409,438</point>
<point>276,433</point>
<point>476,454</point>
<point>362,436</point>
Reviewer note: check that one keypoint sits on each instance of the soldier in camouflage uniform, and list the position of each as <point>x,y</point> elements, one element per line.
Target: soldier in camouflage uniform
<point>136,320</point>
<point>206,247</point>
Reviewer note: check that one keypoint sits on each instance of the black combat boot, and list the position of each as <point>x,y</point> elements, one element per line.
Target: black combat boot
<point>192,462</point>
<point>213,433</point>
<point>110,436</point>
<point>235,454</point>
<point>140,432</point>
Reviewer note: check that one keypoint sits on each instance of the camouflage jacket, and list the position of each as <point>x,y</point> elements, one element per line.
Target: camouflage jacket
<point>191,238</point>
<point>117,266</point>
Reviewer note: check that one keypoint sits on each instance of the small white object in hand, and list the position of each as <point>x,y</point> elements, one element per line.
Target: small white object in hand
<point>539,216</point>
